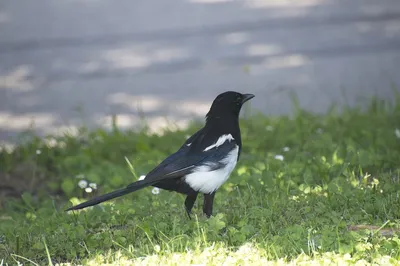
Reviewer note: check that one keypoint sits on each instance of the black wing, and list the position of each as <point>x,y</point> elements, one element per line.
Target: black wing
<point>170,166</point>
<point>185,160</point>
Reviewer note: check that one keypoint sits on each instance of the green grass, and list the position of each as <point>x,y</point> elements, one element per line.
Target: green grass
<point>338,171</point>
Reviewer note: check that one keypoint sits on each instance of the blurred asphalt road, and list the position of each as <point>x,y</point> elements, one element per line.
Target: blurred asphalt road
<point>67,62</point>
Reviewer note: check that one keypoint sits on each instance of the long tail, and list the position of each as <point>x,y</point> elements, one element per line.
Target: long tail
<point>117,193</point>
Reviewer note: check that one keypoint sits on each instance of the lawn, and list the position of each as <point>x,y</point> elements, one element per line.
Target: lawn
<point>308,189</point>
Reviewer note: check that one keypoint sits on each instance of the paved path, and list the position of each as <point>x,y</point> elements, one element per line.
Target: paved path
<point>67,61</point>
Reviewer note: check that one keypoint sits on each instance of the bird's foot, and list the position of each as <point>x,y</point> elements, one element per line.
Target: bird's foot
<point>207,215</point>
<point>188,212</point>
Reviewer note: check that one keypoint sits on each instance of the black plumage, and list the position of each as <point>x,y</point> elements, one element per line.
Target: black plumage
<point>203,162</point>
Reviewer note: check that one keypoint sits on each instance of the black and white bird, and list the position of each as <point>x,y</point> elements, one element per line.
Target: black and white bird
<point>202,164</point>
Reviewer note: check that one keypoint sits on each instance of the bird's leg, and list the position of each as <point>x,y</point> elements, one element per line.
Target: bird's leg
<point>208,204</point>
<point>189,202</point>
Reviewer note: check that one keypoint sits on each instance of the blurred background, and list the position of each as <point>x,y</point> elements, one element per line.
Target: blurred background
<point>64,63</point>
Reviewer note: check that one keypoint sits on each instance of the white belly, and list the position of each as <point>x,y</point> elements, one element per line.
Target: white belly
<point>206,181</point>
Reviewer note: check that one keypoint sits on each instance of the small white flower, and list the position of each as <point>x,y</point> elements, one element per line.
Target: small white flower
<point>142,177</point>
<point>52,142</point>
<point>279,157</point>
<point>269,128</point>
<point>397,133</point>
<point>93,185</point>
<point>88,190</point>
<point>286,149</point>
<point>38,152</point>
<point>319,130</point>
<point>155,191</point>
<point>82,184</point>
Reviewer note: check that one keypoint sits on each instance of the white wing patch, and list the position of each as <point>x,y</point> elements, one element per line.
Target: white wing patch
<point>221,140</point>
<point>206,181</point>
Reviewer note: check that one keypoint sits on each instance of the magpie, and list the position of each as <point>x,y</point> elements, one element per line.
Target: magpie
<point>202,164</point>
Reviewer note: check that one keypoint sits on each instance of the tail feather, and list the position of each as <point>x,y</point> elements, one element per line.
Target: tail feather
<point>117,193</point>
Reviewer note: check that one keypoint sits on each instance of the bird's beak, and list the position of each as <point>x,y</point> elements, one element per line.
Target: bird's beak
<point>247,97</point>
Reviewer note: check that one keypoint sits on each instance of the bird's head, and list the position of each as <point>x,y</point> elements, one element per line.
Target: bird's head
<point>228,103</point>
